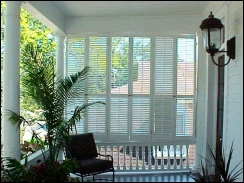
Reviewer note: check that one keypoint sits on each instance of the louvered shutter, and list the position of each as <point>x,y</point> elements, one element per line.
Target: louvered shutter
<point>185,87</point>
<point>163,99</point>
<point>96,122</point>
<point>140,125</point>
<point>129,99</point>
<point>75,63</point>
<point>119,81</point>
<point>76,55</point>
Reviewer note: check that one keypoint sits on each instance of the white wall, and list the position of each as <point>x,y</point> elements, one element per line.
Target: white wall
<point>168,24</point>
<point>232,12</point>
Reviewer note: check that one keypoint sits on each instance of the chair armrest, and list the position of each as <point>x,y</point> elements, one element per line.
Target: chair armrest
<point>106,156</point>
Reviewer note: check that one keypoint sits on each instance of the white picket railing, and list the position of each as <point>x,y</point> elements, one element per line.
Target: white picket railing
<point>144,156</point>
<point>150,156</point>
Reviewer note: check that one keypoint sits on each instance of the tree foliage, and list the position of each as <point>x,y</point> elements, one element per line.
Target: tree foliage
<point>31,31</point>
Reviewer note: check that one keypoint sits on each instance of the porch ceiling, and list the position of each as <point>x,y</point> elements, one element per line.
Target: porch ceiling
<point>55,13</point>
<point>71,9</point>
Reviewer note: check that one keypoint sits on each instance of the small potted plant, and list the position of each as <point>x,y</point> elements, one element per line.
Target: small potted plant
<point>222,167</point>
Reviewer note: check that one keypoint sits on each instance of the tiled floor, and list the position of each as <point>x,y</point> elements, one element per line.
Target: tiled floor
<point>145,177</point>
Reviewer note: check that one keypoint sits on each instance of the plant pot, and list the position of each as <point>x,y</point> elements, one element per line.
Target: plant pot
<point>214,178</point>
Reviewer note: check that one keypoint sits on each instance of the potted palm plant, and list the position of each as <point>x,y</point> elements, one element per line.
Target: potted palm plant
<point>51,95</point>
<point>221,165</point>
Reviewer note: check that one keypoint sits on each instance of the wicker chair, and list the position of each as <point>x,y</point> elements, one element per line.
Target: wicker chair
<point>83,149</point>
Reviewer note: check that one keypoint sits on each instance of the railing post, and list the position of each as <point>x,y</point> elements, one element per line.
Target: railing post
<point>138,157</point>
<point>118,158</point>
<point>175,160</point>
<point>125,148</point>
<point>162,157</point>
<point>187,156</point>
<point>143,157</point>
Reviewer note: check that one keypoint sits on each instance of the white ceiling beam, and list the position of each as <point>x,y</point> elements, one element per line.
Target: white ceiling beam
<point>47,13</point>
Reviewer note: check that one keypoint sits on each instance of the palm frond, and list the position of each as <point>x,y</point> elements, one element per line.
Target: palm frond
<point>79,110</point>
<point>224,167</point>
<point>235,176</point>
<point>16,119</point>
<point>16,171</point>
<point>201,174</point>
<point>64,88</point>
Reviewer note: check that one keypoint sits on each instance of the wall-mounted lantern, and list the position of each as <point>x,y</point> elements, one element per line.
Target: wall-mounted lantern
<point>212,38</point>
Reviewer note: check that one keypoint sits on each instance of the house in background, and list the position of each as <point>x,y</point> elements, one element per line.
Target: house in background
<point>163,23</point>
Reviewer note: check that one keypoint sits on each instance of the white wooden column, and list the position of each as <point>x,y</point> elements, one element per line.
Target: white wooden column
<point>60,56</point>
<point>60,68</point>
<point>201,65</point>
<point>11,79</point>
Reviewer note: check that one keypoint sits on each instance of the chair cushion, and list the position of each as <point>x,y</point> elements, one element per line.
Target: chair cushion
<point>82,146</point>
<point>88,166</point>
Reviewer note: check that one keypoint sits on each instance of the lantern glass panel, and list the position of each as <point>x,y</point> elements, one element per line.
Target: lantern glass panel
<point>216,40</point>
<point>205,38</point>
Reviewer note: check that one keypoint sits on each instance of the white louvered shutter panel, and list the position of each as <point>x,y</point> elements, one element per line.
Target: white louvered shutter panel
<point>185,87</point>
<point>119,89</point>
<point>140,126</point>
<point>164,108</point>
<point>74,64</point>
<point>96,122</point>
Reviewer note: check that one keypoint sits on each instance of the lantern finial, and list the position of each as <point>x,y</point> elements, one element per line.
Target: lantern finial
<point>211,15</point>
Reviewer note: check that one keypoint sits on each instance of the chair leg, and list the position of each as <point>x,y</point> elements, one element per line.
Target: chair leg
<point>93,178</point>
<point>113,176</point>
